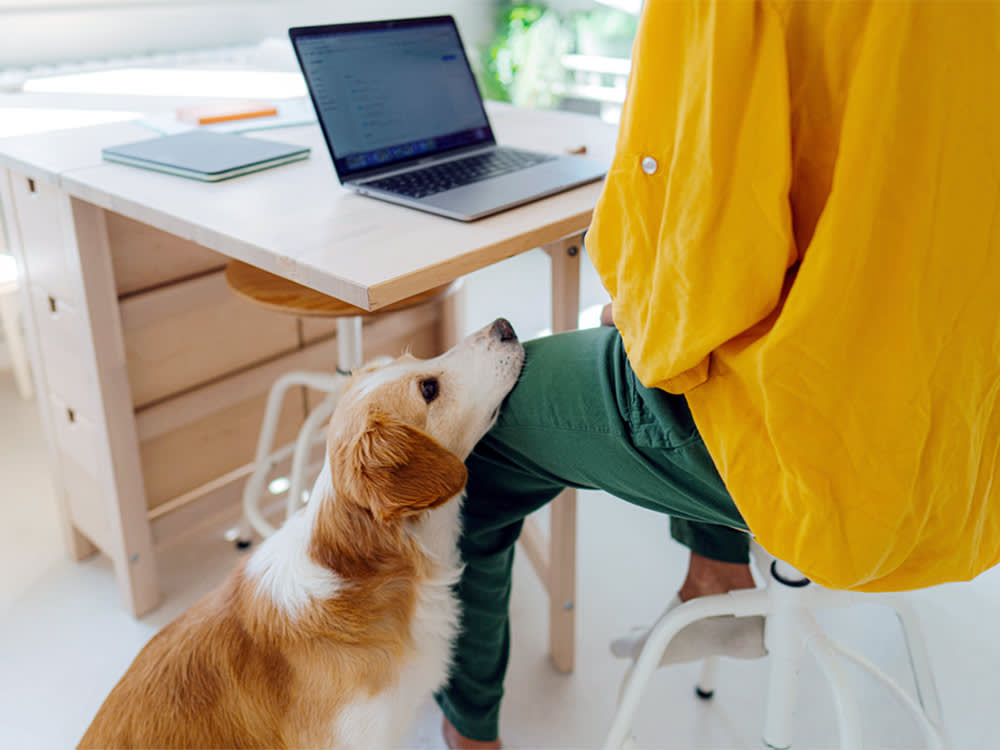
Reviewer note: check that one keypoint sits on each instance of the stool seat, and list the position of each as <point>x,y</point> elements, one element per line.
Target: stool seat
<point>282,295</point>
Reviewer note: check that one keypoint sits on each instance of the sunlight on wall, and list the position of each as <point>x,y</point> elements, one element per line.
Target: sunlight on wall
<point>237,84</point>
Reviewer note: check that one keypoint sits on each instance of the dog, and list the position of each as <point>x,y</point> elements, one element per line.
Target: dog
<point>341,624</point>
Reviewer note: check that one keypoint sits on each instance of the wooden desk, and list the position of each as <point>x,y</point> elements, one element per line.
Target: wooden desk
<point>107,250</point>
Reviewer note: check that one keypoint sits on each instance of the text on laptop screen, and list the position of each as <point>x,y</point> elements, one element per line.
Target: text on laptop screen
<point>386,95</point>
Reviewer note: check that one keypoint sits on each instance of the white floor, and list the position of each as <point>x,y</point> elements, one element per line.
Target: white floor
<point>64,639</point>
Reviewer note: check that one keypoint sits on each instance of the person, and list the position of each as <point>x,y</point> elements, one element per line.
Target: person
<point>800,234</point>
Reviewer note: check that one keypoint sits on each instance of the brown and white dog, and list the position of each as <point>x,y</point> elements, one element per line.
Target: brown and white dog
<point>341,624</point>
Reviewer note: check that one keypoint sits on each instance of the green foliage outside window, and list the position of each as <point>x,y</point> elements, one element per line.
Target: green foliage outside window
<point>523,62</point>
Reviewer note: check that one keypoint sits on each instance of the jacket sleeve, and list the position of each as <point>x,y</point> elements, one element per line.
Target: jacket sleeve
<point>692,233</point>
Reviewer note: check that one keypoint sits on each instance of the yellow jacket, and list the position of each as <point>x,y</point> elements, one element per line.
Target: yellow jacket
<point>801,232</point>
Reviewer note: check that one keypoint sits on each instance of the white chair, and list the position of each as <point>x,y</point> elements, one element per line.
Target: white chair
<point>10,316</point>
<point>788,601</point>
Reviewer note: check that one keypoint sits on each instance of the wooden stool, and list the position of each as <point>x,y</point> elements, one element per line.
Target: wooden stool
<point>281,295</point>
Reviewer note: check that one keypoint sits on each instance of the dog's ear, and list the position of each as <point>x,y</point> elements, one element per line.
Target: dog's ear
<point>396,470</point>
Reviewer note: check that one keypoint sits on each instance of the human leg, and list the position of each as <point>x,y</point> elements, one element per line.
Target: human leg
<point>719,560</point>
<point>578,418</point>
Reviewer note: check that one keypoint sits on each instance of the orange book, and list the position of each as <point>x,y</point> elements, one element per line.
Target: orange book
<point>206,114</point>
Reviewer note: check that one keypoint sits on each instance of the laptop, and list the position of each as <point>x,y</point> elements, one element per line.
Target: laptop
<point>404,121</point>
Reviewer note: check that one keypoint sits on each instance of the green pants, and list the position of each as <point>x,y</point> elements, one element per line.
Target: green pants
<point>578,417</point>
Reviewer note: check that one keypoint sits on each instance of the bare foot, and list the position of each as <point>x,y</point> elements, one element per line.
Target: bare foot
<point>706,577</point>
<point>457,742</point>
<point>741,637</point>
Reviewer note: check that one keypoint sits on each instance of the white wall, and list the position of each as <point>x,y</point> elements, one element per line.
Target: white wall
<point>46,32</point>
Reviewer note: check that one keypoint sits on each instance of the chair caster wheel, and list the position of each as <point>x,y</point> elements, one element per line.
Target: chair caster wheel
<point>705,695</point>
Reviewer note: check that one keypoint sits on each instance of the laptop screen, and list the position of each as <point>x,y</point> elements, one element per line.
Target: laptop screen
<point>387,92</point>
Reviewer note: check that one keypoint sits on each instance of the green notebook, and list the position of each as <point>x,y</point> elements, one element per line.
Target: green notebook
<point>204,155</point>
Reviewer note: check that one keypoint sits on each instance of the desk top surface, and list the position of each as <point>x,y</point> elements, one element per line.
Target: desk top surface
<point>297,220</point>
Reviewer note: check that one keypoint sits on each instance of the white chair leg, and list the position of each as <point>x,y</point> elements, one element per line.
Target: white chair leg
<point>920,662</point>
<point>738,603</point>
<point>313,426</point>
<point>848,715</point>
<point>350,355</point>
<point>784,645</point>
<point>264,460</point>
<point>10,314</point>
<point>705,689</point>
<point>933,732</point>
<point>784,638</point>
<point>626,680</point>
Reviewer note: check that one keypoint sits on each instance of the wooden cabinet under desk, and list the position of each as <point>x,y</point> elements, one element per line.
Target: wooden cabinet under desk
<point>153,376</point>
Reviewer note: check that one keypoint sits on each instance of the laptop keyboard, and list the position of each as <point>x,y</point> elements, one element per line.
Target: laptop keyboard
<point>452,174</point>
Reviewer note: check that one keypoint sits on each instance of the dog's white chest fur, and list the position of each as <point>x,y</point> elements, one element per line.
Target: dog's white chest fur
<point>381,721</point>
<point>285,574</point>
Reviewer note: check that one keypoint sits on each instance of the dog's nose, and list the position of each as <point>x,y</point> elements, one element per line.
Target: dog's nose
<point>502,328</point>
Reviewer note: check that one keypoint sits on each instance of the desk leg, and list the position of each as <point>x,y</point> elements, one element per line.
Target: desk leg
<point>130,540</point>
<point>561,573</point>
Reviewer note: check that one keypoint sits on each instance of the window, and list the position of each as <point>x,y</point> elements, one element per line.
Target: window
<point>60,32</point>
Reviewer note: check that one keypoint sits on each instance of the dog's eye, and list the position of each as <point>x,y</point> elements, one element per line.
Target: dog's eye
<point>429,389</point>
